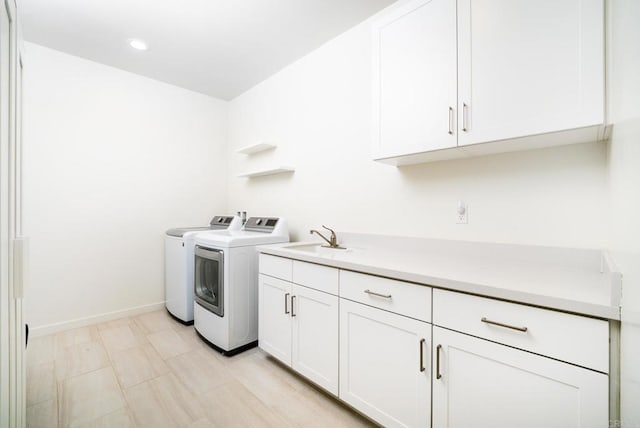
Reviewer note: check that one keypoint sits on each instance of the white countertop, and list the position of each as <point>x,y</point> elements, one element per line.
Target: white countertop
<point>581,281</point>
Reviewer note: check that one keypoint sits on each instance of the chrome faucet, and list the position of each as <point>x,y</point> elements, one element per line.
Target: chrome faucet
<point>332,241</point>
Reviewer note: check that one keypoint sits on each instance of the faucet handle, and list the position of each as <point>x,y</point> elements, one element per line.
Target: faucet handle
<point>333,238</point>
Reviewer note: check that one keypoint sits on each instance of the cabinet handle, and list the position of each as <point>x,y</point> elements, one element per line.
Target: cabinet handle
<point>465,125</point>
<point>373,293</point>
<point>422,342</point>
<point>450,120</point>
<point>513,327</point>
<point>286,303</point>
<point>438,375</point>
<point>293,314</point>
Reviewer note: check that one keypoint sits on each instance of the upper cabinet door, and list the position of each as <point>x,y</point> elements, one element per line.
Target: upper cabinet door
<point>529,67</point>
<point>414,79</point>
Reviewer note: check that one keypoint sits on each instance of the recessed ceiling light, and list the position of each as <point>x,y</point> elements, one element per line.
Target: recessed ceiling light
<point>138,44</point>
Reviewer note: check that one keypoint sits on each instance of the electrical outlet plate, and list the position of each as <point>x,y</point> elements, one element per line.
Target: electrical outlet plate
<point>462,213</point>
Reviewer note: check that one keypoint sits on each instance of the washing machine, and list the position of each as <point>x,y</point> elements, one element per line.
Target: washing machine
<point>226,283</point>
<point>178,262</point>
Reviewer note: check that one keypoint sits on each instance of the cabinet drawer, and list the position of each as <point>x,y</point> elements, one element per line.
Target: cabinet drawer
<point>396,296</point>
<point>318,277</point>
<point>278,267</point>
<point>572,338</point>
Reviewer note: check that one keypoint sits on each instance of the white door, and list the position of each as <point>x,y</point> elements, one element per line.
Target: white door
<point>315,336</point>
<point>477,383</point>
<point>274,312</point>
<point>385,365</point>
<point>11,324</point>
<point>414,78</point>
<point>5,242</point>
<point>20,260</point>
<point>529,67</point>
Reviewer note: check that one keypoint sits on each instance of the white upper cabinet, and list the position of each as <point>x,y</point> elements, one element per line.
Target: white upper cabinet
<point>414,94</point>
<point>454,79</point>
<point>529,67</point>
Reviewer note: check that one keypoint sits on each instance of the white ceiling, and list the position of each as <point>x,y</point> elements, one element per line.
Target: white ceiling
<point>217,47</point>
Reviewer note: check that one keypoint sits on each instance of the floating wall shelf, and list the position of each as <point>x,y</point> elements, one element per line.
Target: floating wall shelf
<point>272,171</point>
<point>256,148</point>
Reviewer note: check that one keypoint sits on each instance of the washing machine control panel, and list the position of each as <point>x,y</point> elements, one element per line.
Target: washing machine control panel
<point>221,222</point>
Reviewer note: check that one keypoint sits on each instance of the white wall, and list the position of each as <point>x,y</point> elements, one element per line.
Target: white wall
<point>112,160</point>
<point>625,193</point>
<point>318,112</point>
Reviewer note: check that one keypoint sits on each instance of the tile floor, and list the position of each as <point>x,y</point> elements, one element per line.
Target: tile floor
<point>151,371</point>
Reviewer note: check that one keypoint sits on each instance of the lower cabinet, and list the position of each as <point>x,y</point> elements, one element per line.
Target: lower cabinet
<point>299,326</point>
<point>314,353</point>
<point>478,383</point>
<point>369,341</point>
<point>274,317</point>
<point>385,365</point>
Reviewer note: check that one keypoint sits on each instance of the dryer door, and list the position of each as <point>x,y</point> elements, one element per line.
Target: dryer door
<point>209,279</point>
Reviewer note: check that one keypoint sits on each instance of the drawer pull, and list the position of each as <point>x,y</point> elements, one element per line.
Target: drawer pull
<point>373,293</point>
<point>421,344</point>
<point>286,305</point>
<point>465,125</point>
<point>438,375</point>
<point>523,329</point>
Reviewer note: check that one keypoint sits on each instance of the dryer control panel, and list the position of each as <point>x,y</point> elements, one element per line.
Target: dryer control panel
<point>261,224</point>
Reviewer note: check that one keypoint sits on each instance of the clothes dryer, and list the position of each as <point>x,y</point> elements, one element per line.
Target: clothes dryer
<point>226,282</point>
<point>178,262</point>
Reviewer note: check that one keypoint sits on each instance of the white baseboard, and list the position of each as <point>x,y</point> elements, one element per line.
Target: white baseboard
<point>94,319</point>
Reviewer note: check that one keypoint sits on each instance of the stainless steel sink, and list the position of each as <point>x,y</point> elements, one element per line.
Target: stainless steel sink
<point>318,249</point>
